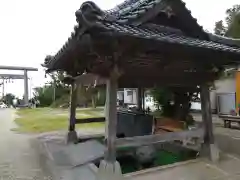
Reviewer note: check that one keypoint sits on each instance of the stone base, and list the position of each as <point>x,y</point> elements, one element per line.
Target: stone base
<point>214,153</point>
<point>109,171</point>
<point>211,151</point>
<point>72,137</point>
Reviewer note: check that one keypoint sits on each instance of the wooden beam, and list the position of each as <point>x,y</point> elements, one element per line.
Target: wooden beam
<point>161,82</point>
<point>179,51</point>
<point>90,120</point>
<point>154,73</point>
<point>159,138</point>
<point>89,78</point>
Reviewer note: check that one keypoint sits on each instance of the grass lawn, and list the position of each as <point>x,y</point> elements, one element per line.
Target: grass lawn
<point>46,119</point>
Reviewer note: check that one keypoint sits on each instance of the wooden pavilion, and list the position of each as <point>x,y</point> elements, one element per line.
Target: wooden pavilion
<point>143,44</point>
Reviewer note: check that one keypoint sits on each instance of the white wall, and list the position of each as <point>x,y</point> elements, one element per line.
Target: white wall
<point>130,99</point>
<point>135,96</point>
<point>120,95</point>
<point>226,86</point>
<point>222,86</point>
<point>213,99</point>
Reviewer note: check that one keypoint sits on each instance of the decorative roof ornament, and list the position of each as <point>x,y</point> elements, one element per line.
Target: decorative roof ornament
<point>169,12</point>
<point>88,13</point>
<point>47,59</point>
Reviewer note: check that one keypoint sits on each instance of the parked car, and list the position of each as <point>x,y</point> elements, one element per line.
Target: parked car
<point>3,105</point>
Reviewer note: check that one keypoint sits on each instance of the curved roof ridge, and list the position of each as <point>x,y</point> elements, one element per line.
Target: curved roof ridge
<point>125,7</point>
<point>225,40</point>
<point>128,6</point>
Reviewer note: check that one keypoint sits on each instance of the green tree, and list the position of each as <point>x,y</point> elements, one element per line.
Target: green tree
<point>232,21</point>
<point>234,28</point>
<point>8,99</point>
<point>231,30</point>
<point>57,78</point>
<point>163,97</point>
<point>47,94</point>
<point>43,95</point>
<point>59,88</point>
<point>95,95</point>
<point>176,102</point>
<point>231,14</point>
<point>219,29</point>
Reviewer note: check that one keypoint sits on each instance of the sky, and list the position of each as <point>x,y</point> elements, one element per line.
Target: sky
<point>32,29</point>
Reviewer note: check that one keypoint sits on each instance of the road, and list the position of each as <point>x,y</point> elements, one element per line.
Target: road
<point>18,159</point>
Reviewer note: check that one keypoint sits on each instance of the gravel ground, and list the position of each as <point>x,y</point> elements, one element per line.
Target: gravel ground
<point>18,158</point>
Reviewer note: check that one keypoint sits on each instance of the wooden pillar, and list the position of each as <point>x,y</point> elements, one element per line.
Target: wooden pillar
<point>72,135</point>
<point>109,168</point>
<point>140,98</point>
<point>209,148</point>
<point>111,117</point>
<point>73,104</point>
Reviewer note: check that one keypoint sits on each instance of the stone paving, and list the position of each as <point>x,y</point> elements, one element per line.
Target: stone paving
<point>18,159</point>
<point>226,169</point>
<point>21,160</point>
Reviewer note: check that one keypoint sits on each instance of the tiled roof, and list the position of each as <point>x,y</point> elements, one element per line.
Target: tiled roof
<point>118,20</point>
<point>131,9</point>
<point>224,40</point>
<point>123,13</point>
<point>159,33</point>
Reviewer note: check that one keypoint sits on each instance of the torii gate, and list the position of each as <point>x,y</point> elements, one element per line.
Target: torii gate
<point>18,76</point>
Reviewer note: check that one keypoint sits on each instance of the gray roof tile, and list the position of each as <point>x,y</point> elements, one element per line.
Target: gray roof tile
<point>165,36</point>
<point>118,21</point>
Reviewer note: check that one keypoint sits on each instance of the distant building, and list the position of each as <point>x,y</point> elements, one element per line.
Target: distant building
<point>129,97</point>
<point>223,97</point>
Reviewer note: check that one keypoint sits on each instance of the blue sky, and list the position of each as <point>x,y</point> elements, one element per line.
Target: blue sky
<point>32,29</point>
